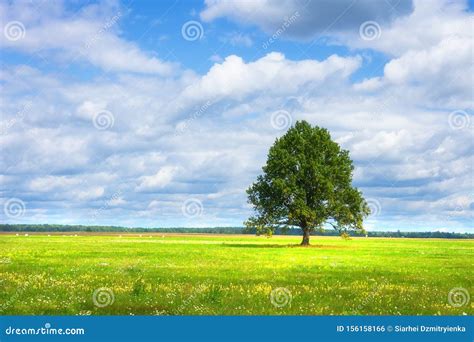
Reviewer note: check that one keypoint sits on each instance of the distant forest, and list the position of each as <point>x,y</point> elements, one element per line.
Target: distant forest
<point>217,230</point>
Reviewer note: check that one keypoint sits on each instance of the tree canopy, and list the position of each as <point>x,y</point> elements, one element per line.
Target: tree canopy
<point>306,183</point>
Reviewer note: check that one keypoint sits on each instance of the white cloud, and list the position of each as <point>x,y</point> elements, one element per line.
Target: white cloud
<point>371,84</point>
<point>159,180</point>
<point>49,183</point>
<point>428,25</point>
<point>272,73</point>
<point>448,63</point>
<point>88,109</point>
<point>314,17</point>
<point>89,193</point>
<point>91,34</point>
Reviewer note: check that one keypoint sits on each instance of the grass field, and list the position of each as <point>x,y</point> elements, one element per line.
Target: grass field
<point>231,275</point>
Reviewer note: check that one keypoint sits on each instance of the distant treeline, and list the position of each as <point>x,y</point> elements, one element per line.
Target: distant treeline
<point>217,230</point>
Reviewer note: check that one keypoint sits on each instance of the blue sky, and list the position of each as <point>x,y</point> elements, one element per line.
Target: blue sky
<point>141,113</point>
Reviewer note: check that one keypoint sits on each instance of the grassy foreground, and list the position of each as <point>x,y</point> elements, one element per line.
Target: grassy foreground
<point>231,275</point>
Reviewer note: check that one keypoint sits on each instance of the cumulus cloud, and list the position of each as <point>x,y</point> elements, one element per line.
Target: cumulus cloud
<point>157,181</point>
<point>427,26</point>
<point>91,35</point>
<point>271,73</point>
<point>447,63</point>
<point>314,17</point>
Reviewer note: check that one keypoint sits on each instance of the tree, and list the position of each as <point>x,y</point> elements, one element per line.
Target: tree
<point>306,183</point>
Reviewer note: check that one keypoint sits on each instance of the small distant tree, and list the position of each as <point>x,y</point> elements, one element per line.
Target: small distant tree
<point>345,236</point>
<point>306,183</point>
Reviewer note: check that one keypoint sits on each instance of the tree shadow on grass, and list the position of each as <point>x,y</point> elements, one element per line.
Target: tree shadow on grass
<point>276,245</point>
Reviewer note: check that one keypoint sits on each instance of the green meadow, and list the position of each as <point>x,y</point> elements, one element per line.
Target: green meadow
<point>232,275</point>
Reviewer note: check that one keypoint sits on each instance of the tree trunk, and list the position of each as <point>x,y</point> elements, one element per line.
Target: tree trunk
<point>306,235</point>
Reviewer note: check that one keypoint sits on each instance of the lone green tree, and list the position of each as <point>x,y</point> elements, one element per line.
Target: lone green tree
<point>306,183</point>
